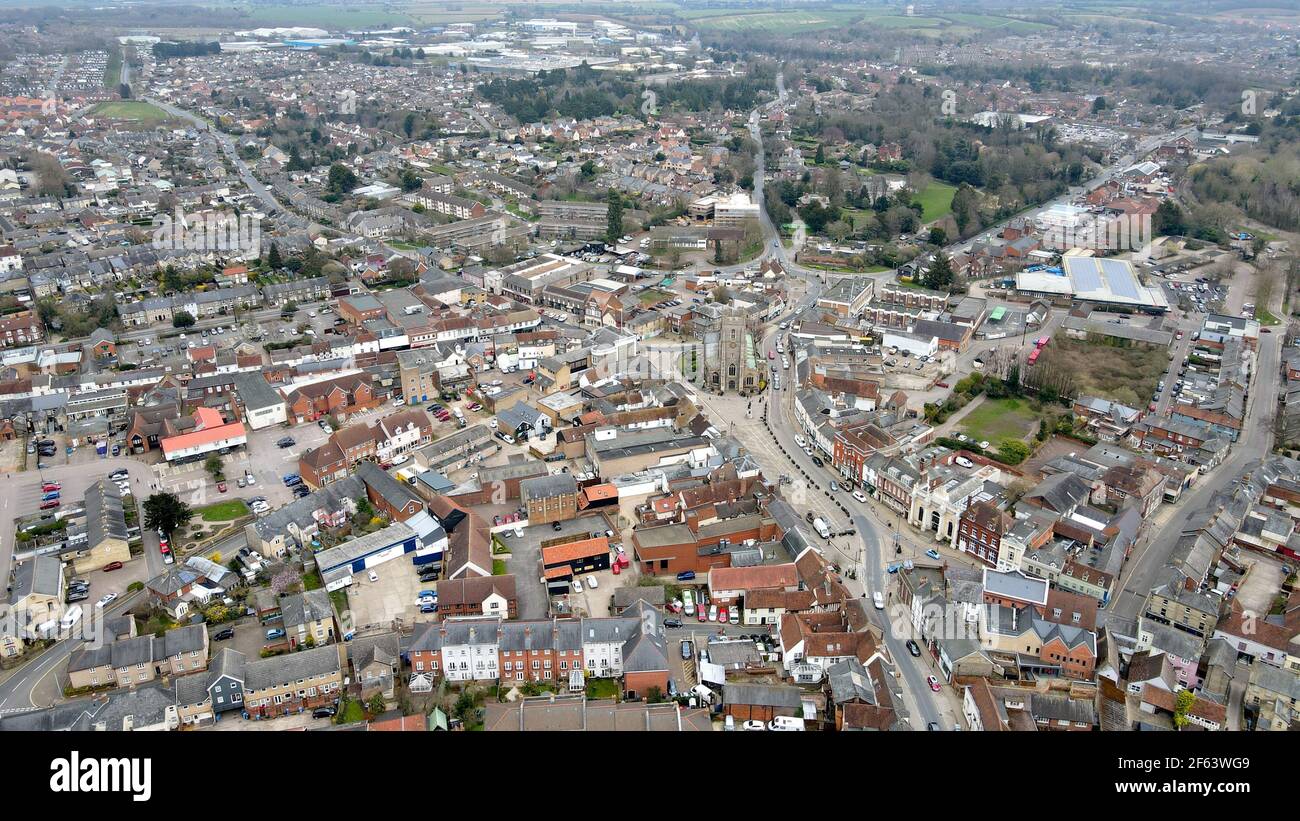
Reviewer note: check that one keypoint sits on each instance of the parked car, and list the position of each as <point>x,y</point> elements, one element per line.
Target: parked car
<point>933,554</point>
<point>105,600</point>
<point>688,649</point>
<point>672,623</point>
<point>591,582</point>
<point>713,612</point>
<point>274,633</point>
<point>373,576</point>
<point>577,586</point>
<point>324,712</point>
<point>223,634</point>
<point>913,648</point>
<point>112,566</point>
<point>221,487</point>
<point>686,576</point>
<point>933,682</point>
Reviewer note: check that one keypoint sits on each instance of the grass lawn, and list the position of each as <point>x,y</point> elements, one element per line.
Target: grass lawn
<point>498,567</point>
<point>936,200</point>
<point>130,110</point>
<point>653,295</point>
<point>1265,318</point>
<point>224,511</point>
<point>352,713</point>
<point>602,688</point>
<point>998,419</point>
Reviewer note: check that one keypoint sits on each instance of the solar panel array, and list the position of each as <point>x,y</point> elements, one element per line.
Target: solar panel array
<point>1119,278</point>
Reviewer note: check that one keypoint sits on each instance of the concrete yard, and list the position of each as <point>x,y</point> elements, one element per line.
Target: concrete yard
<point>391,597</point>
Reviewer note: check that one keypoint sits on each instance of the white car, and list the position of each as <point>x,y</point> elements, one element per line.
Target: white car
<point>250,479</point>
<point>577,586</point>
<point>753,724</point>
<point>104,601</point>
<point>492,423</point>
<point>374,577</point>
<point>801,442</point>
<point>591,582</point>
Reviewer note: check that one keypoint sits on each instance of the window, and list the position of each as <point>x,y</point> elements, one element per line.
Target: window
<point>236,697</point>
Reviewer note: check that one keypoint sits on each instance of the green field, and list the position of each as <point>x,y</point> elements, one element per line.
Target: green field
<point>774,21</point>
<point>130,110</point>
<point>332,18</point>
<point>998,419</point>
<point>936,200</point>
<point>113,72</point>
<point>223,511</point>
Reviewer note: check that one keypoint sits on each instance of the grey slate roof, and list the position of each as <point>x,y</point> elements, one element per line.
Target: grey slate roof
<point>261,674</point>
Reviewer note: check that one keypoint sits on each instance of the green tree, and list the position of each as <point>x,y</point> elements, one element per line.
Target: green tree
<point>588,170</point>
<point>614,218</point>
<point>1099,105</point>
<point>182,319</point>
<point>654,694</point>
<point>1183,704</point>
<point>376,704</point>
<point>1012,451</point>
<point>938,236</point>
<point>341,178</point>
<point>273,259</point>
<point>213,466</point>
<point>939,275</point>
<point>166,512</point>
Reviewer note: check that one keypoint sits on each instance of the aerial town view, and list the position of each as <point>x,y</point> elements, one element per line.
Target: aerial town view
<point>650,366</point>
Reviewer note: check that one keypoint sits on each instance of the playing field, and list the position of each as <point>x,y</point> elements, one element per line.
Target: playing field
<point>998,419</point>
<point>936,200</point>
<point>130,110</point>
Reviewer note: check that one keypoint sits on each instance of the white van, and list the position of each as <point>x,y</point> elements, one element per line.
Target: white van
<point>786,723</point>
<point>70,618</point>
<point>878,600</point>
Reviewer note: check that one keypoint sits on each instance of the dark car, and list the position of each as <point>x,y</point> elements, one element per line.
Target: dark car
<point>556,527</point>
<point>222,635</point>
<point>933,726</point>
<point>686,575</point>
<point>284,442</point>
<point>817,460</point>
<point>688,649</point>
<point>324,712</point>
<point>673,623</point>
<point>913,648</point>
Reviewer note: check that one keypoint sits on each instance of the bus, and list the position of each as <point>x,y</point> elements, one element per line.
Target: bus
<point>1042,342</point>
<point>1033,355</point>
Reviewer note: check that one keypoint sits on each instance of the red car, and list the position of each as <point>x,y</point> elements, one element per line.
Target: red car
<point>722,615</point>
<point>941,384</point>
<point>702,611</point>
<point>53,503</point>
<point>164,549</point>
<point>933,682</point>
<point>112,566</point>
<point>51,486</point>
<point>221,487</point>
